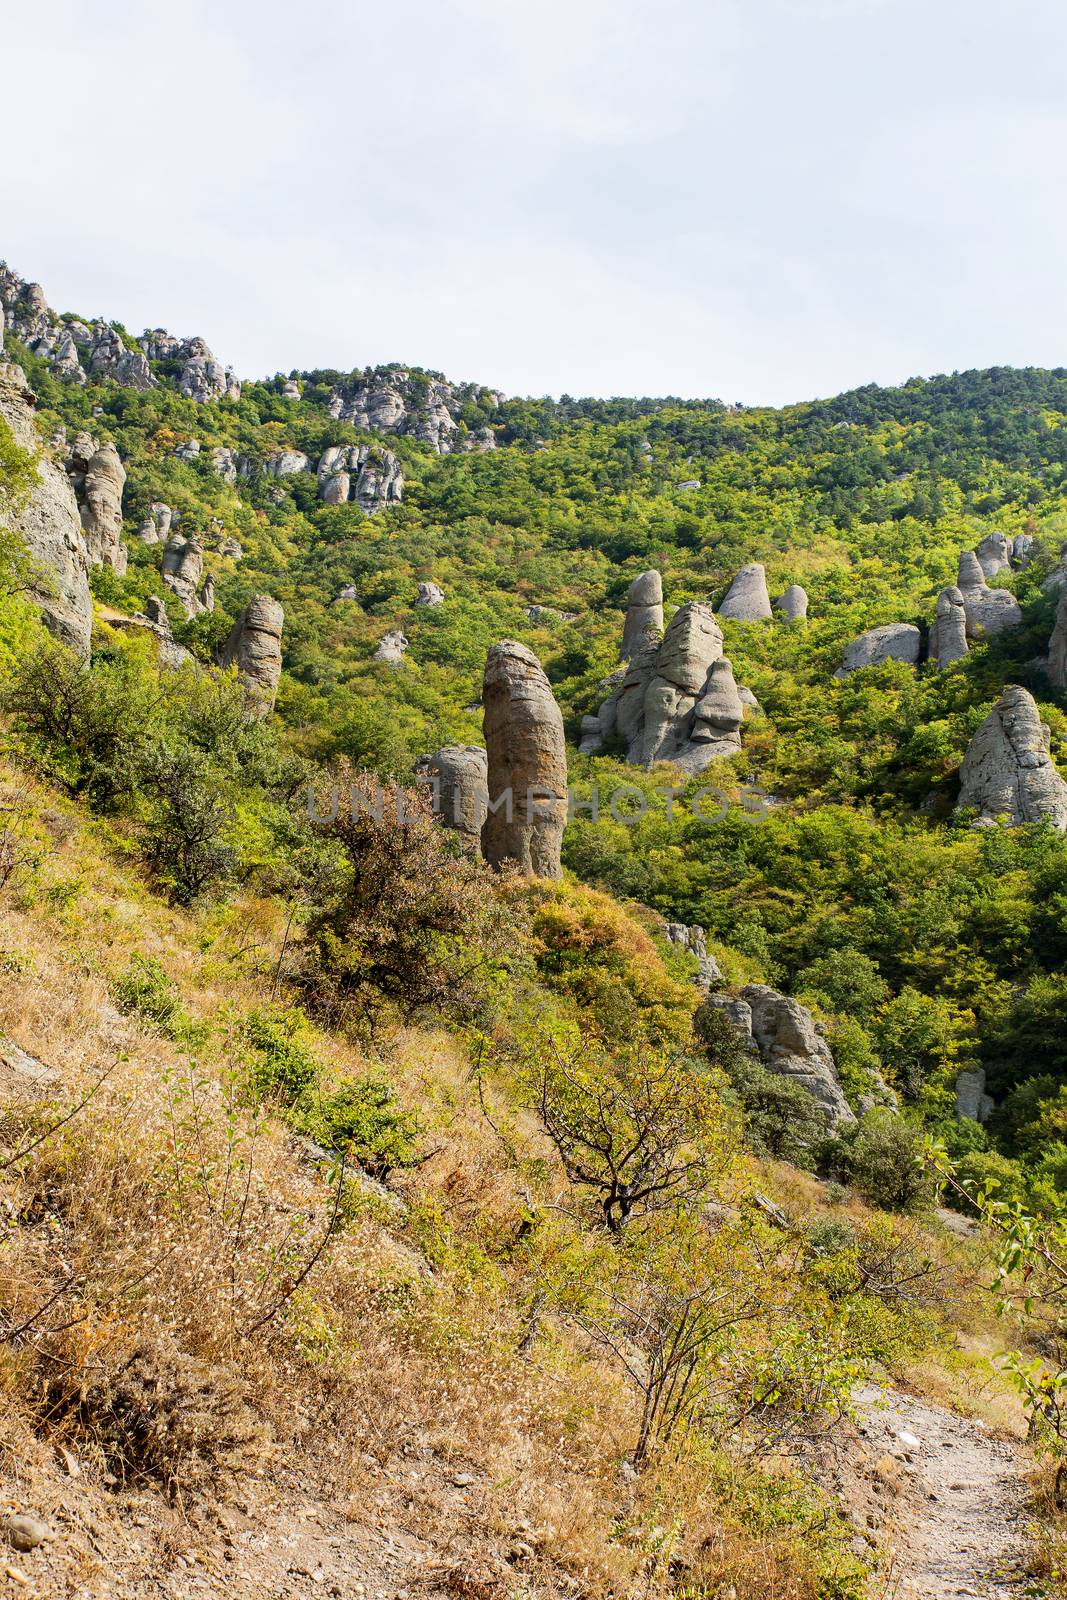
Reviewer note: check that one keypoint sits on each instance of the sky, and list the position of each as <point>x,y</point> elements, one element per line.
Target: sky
<point>757,200</point>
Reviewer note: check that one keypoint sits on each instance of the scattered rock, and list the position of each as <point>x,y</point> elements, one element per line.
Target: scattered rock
<point>430,594</point>
<point>254,646</point>
<point>789,1041</point>
<point>793,602</point>
<point>286,463</point>
<point>348,592</point>
<point>747,599</point>
<point>1008,771</point>
<point>526,764</point>
<point>391,647</point>
<point>224,463</point>
<point>644,614</point>
<point>894,641</point>
<point>188,451</point>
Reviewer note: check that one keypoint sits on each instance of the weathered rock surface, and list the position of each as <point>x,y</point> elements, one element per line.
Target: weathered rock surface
<point>1057,646</point>
<point>50,524</point>
<point>988,610</point>
<point>948,636</point>
<point>183,571</point>
<point>430,594</point>
<point>747,599</point>
<point>894,641</point>
<point>793,602</point>
<point>365,473</point>
<point>694,939</point>
<point>203,378</point>
<point>644,614</point>
<point>1057,578</point>
<point>154,620</point>
<point>286,463</point>
<point>1022,549</point>
<point>156,523</point>
<point>972,1102</point>
<point>98,484</point>
<point>460,775</point>
<point>550,614</point>
<point>188,450</point>
<point>391,647</point>
<point>789,1041</point>
<point>994,554</point>
<point>676,701</point>
<point>1008,771</point>
<point>254,646</point>
<point>73,349</point>
<point>347,592</point>
<point>425,406</point>
<point>526,764</point>
<point>224,463</point>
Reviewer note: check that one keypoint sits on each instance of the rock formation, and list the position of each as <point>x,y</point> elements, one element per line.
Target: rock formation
<point>156,523</point>
<point>230,547</point>
<point>894,641</point>
<point>1057,646</point>
<point>1021,549</point>
<point>154,620</point>
<point>99,479</point>
<point>430,594</point>
<point>286,463</point>
<point>183,571</point>
<point>747,599</point>
<point>188,450</point>
<point>365,473</point>
<point>676,701</point>
<point>290,390</point>
<point>224,463</point>
<point>425,406</point>
<point>391,647</point>
<point>254,646</point>
<point>793,602</point>
<point>789,1041</point>
<point>1008,771</point>
<point>972,1102</point>
<point>550,614</point>
<point>204,378</point>
<point>526,764</point>
<point>50,525</point>
<point>1057,578</point>
<point>459,776</point>
<point>73,349</point>
<point>693,939</point>
<point>988,610</point>
<point>948,636</point>
<point>347,592</point>
<point>994,554</point>
<point>644,614</point>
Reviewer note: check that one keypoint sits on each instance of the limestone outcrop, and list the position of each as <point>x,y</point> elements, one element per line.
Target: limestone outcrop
<point>156,523</point>
<point>973,1104</point>
<point>99,478</point>
<point>183,571</point>
<point>286,463</point>
<point>49,524</point>
<point>526,764</point>
<point>365,473</point>
<point>254,646</point>
<point>1008,771</point>
<point>894,641</point>
<point>1022,547</point>
<point>692,938</point>
<point>789,1041</point>
<point>994,554</point>
<point>224,463</point>
<point>988,610</point>
<point>644,614</point>
<point>391,647</point>
<point>425,406</point>
<point>948,636</point>
<point>747,599</point>
<point>459,775</point>
<point>1057,646</point>
<point>430,594</point>
<point>793,602</point>
<point>677,699</point>
<point>74,349</point>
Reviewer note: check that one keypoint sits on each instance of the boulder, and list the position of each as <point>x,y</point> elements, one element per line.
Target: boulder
<point>894,641</point>
<point>1008,771</point>
<point>718,714</point>
<point>224,463</point>
<point>693,939</point>
<point>188,450</point>
<point>459,775</point>
<point>50,525</point>
<point>430,594</point>
<point>254,646</point>
<point>793,602</point>
<point>286,463</point>
<point>747,599</point>
<point>156,523</point>
<point>994,554</point>
<point>948,636</point>
<point>988,610</point>
<point>347,592</point>
<point>182,570</point>
<point>229,547</point>
<point>391,647</point>
<point>644,614</point>
<point>1057,646</point>
<point>526,764</point>
<point>290,390</point>
<point>789,1041</point>
<point>1022,547</point>
<point>972,1102</point>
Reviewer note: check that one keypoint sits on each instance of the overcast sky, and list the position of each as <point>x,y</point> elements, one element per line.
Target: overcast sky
<point>761,200</point>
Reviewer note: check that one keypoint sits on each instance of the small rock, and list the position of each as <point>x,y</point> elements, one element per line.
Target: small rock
<point>463,1480</point>
<point>908,1439</point>
<point>26,1532</point>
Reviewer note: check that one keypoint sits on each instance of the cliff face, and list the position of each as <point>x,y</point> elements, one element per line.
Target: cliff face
<point>50,524</point>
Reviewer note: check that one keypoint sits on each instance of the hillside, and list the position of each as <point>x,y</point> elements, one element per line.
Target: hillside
<point>801,978</point>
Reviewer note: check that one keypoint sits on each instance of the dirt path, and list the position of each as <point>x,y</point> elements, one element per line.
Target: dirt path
<point>957,1524</point>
